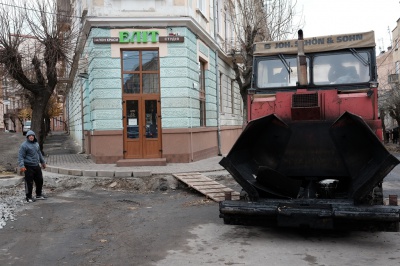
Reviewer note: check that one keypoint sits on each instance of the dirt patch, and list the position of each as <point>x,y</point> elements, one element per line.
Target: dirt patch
<point>161,183</point>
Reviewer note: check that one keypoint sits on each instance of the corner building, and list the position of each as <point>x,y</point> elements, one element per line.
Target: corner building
<point>153,83</point>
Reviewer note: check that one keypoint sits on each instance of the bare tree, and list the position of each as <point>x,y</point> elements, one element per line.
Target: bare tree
<point>392,104</point>
<point>385,104</point>
<point>389,105</point>
<point>35,36</point>
<point>253,21</point>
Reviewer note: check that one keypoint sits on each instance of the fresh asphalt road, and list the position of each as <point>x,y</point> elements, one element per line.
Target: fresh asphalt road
<point>178,227</point>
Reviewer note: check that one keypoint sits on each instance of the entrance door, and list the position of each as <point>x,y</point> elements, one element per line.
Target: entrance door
<point>141,104</point>
<point>142,128</point>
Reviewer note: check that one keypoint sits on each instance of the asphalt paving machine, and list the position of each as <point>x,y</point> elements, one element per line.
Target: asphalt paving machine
<point>311,155</point>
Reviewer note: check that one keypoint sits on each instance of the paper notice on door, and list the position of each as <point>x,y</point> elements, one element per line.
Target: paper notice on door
<point>132,121</point>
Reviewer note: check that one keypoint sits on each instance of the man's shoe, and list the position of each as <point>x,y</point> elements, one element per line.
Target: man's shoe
<point>41,197</point>
<point>30,200</point>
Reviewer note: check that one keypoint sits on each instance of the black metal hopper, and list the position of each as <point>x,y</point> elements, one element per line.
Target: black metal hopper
<point>274,159</point>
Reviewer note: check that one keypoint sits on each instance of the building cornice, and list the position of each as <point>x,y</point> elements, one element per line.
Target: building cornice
<point>152,22</point>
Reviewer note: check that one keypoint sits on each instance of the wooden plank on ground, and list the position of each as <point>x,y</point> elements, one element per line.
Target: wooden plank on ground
<point>210,188</point>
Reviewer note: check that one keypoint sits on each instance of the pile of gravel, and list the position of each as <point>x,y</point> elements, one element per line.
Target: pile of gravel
<point>11,200</point>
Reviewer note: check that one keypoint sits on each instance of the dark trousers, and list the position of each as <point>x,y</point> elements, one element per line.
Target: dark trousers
<point>33,174</point>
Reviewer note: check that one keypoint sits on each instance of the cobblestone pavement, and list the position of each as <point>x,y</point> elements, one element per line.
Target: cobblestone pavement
<point>68,159</point>
<point>63,153</point>
<point>80,162</point>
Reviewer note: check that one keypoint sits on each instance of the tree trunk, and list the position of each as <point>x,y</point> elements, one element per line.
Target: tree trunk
<point>13,121</point>
<point>47,125</point>
<point>38,109</point>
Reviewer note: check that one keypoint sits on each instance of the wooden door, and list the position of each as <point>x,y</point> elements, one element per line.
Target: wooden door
<point>142,120</point>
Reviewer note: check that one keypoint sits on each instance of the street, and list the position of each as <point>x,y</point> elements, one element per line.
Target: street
<point>102,228</point>
<point>178,227</point>
<point>98,224</point>
<point>200,133</point>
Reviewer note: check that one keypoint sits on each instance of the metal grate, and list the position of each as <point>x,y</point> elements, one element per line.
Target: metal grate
<point>305,100</point>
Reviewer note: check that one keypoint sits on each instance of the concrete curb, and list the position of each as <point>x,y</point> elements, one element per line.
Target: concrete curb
<point>94,173</point>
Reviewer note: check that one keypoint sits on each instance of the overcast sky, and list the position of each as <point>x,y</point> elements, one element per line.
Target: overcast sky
<point>327,17</point>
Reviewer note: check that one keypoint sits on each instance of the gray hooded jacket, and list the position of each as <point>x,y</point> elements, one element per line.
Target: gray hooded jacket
<point>29,153</point>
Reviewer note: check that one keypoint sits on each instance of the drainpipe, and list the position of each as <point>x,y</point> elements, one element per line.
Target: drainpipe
<point>215,10</point>
<point>218,107</point>
<point>191,125</point>
<point>83,83</point>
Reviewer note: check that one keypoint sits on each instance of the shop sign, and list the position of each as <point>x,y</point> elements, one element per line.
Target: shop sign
<point>101,40</point>
<point>172,38</point>
<point>138,37</point>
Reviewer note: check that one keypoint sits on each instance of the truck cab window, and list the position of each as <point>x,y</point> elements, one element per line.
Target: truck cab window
<point>340,69</point>
<point>272,73</point>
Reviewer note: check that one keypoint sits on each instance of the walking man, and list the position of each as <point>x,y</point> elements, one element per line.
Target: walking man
<point>29,160</point>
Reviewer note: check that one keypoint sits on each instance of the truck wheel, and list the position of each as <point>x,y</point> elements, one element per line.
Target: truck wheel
<point>377,195</point>
<point>244,196</point>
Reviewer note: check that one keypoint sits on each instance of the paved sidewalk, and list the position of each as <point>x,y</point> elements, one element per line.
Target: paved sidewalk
<point>62,156</point>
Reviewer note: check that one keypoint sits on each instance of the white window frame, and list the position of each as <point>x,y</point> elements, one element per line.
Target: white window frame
<point>201,7</point>
<point>220,17</point>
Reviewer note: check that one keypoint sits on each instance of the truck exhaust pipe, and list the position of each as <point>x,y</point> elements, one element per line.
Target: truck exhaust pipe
<point>301,61</point>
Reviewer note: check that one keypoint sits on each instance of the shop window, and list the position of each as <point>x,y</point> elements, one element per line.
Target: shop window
<point>140,72</point>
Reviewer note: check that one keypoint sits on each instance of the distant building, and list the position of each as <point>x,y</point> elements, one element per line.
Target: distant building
<point>11,103</point>
<point>388,64</point>
<point>386,80</point>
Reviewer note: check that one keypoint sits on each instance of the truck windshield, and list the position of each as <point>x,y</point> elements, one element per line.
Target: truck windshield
<point>343,68</point>
<point>272,72</point>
